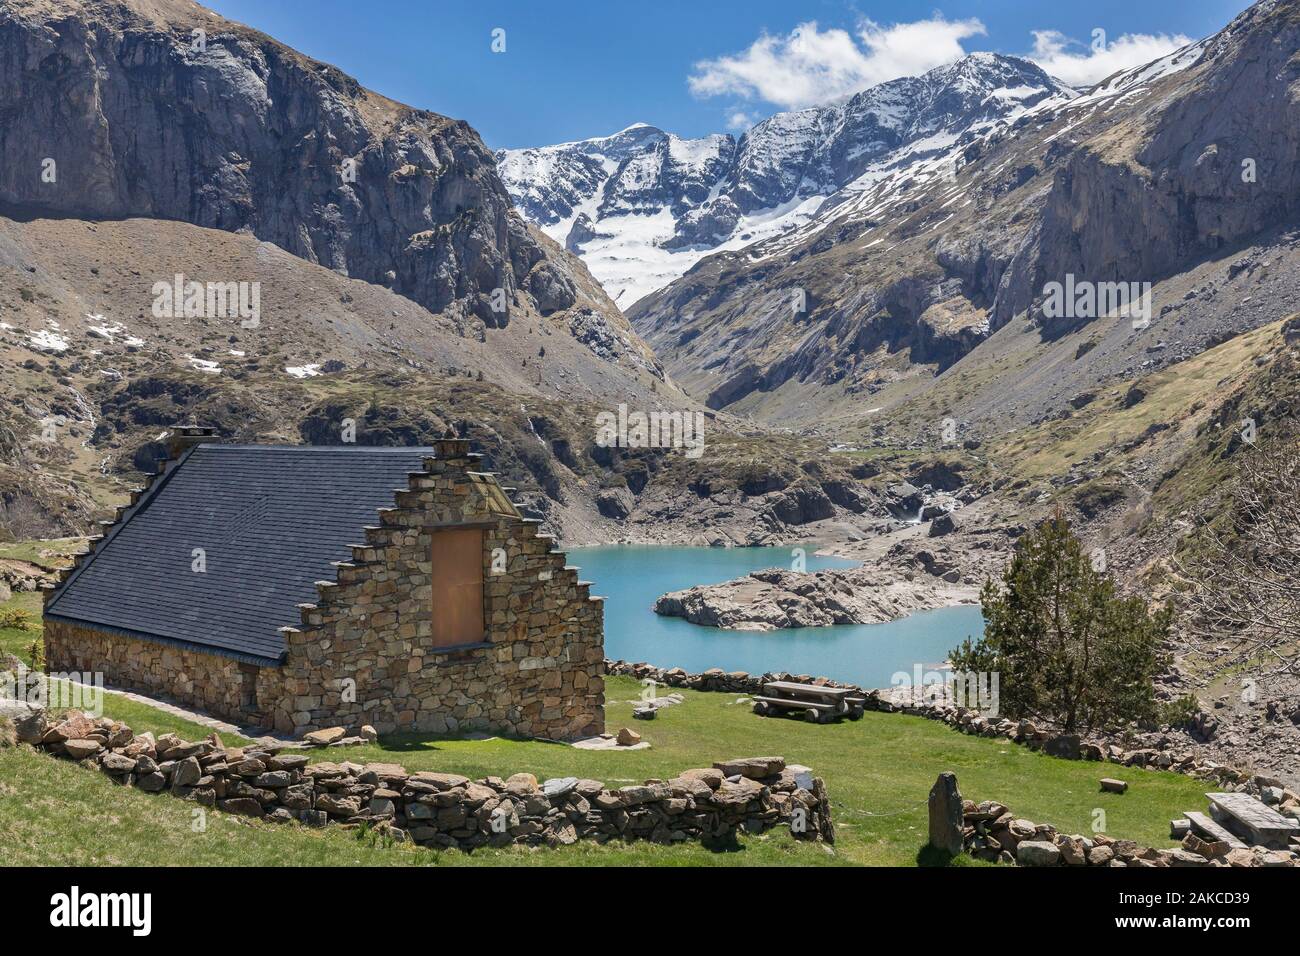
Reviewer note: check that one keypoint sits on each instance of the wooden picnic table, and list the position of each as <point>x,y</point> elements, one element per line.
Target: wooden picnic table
<point>820,704</point>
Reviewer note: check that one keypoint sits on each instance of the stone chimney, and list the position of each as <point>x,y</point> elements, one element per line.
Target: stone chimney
<point>449,447</point>
<point>183,437</point>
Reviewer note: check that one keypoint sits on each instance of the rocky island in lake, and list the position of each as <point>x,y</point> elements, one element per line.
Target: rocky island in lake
<point>912,575</point>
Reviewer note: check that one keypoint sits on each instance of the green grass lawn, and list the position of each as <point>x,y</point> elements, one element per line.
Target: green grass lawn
<point>15,640</point>
<point>878,771</point>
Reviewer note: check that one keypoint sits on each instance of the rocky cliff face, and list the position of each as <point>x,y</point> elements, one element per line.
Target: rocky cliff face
<point>1198,172</point>
<point>908,269</point>
<point>398,288</point>
<point>117,108</point>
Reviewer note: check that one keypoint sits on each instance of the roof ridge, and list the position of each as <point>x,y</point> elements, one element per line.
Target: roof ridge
<point>393,449</point>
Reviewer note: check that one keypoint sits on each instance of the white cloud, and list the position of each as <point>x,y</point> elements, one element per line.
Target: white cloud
<point>739,121</point>
<point>810,66</point>
<point>1082,65</point>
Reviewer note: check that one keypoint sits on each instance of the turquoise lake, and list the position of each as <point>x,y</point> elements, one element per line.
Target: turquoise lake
<point>631,577</point>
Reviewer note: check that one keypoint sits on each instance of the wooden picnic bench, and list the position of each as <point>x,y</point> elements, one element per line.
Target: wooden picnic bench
<point>820,704</point>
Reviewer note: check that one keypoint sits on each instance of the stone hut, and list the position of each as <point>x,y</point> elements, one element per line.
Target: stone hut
<point>302,587</point>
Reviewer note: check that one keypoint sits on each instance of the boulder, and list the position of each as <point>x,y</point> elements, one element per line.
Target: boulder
<point>944,524</point>
<point>15,710</point>
<point>1065,746</point>
<point>710,776</point>
<point>559,786</point>
<point>946,814</point>
<point>1185,858</point>
<point>323,738</point>
<point>614,504</point>
<point>273,779</point>
<point>243,806</point>
<point>755,768</point>
<point>1111,785</point>
<point>627,737</point>
<point>1210,849</point>
<point>1100,856</point>
<point>76,727</point>
<point>287,762</point>
<point>431,781</point>
<point>80,749</point>
<point>31,728</point>
<point>187,772</point>
<point>1037,853</point>
<point>1240,857</point>
<point>521,783</point>
<point>735,796</point>
<point>248,767</point>
<point>1072,850</point>
<point>117,763</point>
<point>389,772</point>
<point>337,805</point>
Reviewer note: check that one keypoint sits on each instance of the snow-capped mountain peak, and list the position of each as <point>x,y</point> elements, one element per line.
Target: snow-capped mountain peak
<point>642,206</point>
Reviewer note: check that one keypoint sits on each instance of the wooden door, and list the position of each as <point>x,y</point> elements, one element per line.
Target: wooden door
<point>457,587</point>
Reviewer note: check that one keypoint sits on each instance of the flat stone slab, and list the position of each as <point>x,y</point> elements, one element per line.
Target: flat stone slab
<point>602,743</point>
<point>661,702</point>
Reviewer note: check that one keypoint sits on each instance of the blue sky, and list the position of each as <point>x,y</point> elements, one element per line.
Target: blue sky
<point>576,68</point>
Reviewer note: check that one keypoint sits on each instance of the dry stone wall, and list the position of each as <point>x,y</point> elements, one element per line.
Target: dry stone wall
<point>448,810</point>
<point>212,684</point>
<point>990,831</point>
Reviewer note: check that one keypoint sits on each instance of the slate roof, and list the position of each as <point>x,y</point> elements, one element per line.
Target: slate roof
<point>270,520</point>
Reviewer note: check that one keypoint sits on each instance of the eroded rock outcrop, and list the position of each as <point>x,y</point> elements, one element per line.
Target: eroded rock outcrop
<point>1213,165</point>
